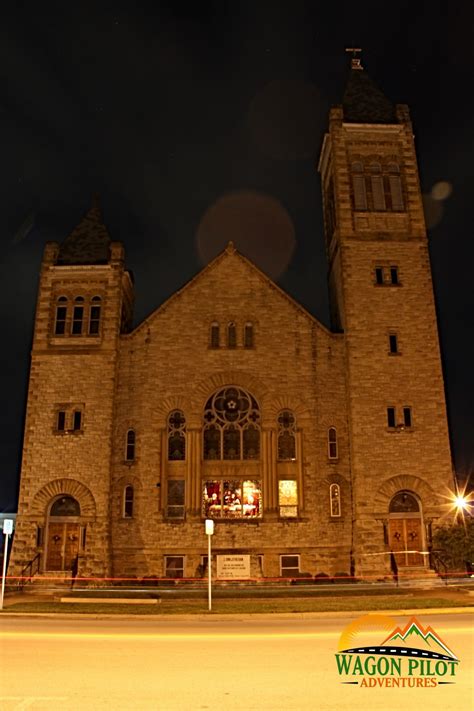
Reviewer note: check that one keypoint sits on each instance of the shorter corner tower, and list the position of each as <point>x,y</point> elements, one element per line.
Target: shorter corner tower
<point>85,300</point>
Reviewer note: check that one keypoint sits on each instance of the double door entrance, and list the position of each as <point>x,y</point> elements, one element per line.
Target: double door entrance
<point>406,541</point>
<point>63,540</point>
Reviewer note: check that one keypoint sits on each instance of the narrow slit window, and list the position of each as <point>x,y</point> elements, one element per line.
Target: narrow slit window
<point>391,421</point>
<point>76,420</point>
<point>215,336</point>
<point>128,501</point>
<point>231,335</point>
<point>393,343</point>
<point>248,335</point>
<point>407,418</point>
<point>130,446</point>
<point>77,316</point>
<point>61,317</point>
<point>379,275</point>
<point>61,421</point>
<point>394,276</point>
<point>332,443</point>
<point>335,500</point>
<point>94,316</point>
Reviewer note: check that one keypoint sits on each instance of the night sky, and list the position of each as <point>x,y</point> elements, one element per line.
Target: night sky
<point>201,125</point>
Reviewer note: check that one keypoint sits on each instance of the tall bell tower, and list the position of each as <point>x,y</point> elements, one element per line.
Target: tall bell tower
<point>381,297</point>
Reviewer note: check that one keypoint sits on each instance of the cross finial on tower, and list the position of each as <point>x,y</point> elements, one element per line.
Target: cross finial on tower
<point>355,60</point>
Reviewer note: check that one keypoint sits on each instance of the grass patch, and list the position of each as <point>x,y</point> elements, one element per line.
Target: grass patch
<point>244,606</point>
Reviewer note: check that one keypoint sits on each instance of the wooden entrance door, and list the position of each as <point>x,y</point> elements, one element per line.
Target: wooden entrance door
<point>406,540</point>
<point>63,545</point>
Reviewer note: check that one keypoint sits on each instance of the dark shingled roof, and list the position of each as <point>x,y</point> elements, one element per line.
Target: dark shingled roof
<point>363,101</point>
<point>89,242</point>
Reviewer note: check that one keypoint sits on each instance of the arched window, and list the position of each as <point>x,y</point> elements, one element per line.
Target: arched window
<point>332,443</point>
<point>358,186</point>
<point>61,316</point>
<point>128,497</point>
<point>215,336</point>
<point>248,335</point>
<point>130,446</point>
<point>77,316</point>
<point>335,500</point>
<point>395,185</point>
<point>286,436</point>
<point>65,506</point>
<point>94,315</point>
<point>176,436</point>
<point>376,182</point>
<point>231,425</point>
<point>404,502</point>
<point>231,335</point>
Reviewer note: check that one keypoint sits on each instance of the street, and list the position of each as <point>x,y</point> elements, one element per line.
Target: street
<point>245,664</point>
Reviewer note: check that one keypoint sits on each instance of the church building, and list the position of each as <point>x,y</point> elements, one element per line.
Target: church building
<point>314,450</point>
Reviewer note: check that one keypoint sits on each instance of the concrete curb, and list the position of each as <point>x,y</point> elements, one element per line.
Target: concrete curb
<point>243,617</point>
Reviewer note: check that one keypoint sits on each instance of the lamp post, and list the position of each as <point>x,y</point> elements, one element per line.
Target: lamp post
<point>209,532</point>
<point>7,531</point>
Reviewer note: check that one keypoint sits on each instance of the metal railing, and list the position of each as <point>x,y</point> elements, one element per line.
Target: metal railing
<point>29,571</point>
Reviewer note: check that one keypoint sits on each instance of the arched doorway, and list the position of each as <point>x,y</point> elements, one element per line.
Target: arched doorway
<point>63,534</point>
<point>406,538</point>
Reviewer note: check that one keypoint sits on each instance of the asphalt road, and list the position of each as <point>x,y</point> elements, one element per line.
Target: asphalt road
<point>244,664</point>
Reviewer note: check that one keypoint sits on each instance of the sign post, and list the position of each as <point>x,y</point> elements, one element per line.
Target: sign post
<point>209,531</point>
<point>7,531</point>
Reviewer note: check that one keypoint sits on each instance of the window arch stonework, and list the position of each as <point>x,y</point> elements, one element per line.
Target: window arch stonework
<point>231,425</point>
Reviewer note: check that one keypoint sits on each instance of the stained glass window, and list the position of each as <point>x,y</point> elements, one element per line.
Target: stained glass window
<point>176,436</point>
<point>286,436</point>
<point>175,499</point>
<point>288,498</point>
<point>335,500</point>
<point>404,502</point>
<point>229,499</point>
<point>65,506</point>
<point>231,425</point>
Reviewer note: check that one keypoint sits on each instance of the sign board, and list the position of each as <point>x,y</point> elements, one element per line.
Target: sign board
<point>8,526</point>
<point>233,567</point>
<point>209,526</point>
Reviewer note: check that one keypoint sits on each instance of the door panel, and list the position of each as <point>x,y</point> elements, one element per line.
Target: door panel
<point>404,536</point>
<point>63,545</point>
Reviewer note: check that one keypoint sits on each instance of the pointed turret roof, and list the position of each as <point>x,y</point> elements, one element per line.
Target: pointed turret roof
<point>363,101</point>
<point>89,242</point>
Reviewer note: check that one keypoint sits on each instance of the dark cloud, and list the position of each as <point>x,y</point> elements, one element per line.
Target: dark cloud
<point>150,106</point>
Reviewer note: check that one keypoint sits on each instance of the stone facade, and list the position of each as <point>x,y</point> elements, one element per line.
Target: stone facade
<point>96,492</point>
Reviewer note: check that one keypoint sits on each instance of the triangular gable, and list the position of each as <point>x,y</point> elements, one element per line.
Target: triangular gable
<point>230,252</point>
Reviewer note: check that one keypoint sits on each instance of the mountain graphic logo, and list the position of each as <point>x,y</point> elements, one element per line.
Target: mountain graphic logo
<point>414,635</point>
